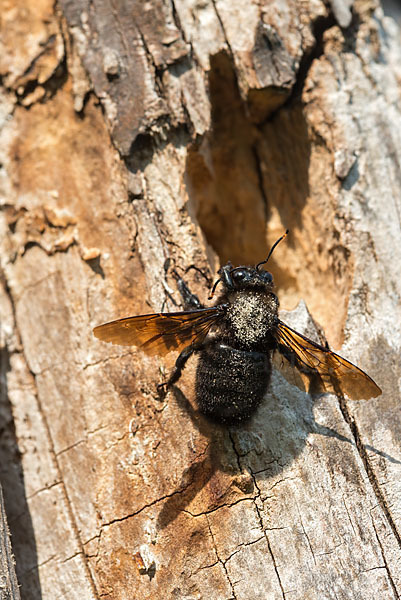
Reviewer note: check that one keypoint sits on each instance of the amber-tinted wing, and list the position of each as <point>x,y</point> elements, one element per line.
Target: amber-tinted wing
<point>325,370</point>
<point>160,333</point>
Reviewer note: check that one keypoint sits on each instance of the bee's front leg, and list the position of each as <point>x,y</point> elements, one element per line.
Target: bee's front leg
<point>190,300</point>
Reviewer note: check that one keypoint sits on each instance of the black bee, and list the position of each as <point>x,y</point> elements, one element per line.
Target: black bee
<point>236,340</point>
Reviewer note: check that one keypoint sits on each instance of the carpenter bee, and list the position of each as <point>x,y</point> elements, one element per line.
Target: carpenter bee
<point>236,340</point>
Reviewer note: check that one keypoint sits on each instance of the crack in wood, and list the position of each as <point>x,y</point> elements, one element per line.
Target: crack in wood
<point>392,583</point>
<point>369,469</point>
<point>149,505</point>
<point>270,551</point>
<point>223,563</point>
<point>264,530</point>
<point>226,505</point>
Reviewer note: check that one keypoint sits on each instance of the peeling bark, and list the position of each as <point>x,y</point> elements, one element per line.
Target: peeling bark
<point>138,141</point>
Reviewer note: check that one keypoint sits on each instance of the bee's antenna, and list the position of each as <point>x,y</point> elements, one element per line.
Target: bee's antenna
<point>271,250</point>
<point>214,289</point>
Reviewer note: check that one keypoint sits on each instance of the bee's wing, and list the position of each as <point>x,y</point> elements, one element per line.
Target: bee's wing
<point>160,333</point>
<point>321,368</point>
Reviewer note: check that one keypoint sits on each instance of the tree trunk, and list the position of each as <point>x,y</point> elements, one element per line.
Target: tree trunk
<point>144,140</point>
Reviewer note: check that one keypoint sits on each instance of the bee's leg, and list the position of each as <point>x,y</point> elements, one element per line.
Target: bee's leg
<point>179,365</point>
<point>190,300</point>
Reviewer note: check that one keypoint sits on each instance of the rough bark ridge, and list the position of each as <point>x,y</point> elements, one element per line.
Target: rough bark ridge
<point>139,139</point>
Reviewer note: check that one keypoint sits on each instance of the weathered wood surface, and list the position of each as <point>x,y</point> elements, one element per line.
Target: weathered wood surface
<point>128,130</point>
<point>9,589</point>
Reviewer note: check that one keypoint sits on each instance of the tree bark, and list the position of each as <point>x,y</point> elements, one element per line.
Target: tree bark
<point>8,582</point>
<point>143,140</point>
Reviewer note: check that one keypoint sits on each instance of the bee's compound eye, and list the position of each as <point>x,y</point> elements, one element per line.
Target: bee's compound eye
<point>239,275</point>
<point>266,276</point>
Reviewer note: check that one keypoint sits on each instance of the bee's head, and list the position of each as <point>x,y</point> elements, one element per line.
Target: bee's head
<point>242,278</point>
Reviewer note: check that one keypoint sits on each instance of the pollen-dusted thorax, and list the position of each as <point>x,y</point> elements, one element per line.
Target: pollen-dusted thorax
<point>252,304</point>
<point>251,316</point>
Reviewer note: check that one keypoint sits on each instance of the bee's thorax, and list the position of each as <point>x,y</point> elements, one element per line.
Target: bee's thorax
<point>251,316</point>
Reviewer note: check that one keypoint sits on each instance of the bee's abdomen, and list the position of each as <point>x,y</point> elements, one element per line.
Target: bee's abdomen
<point>231,383</point>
